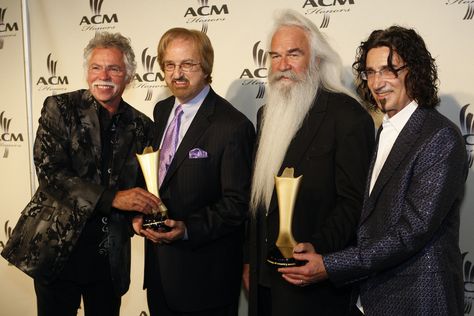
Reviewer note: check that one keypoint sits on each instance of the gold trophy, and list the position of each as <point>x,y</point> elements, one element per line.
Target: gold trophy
<point>287,187</point>
<point>149,162</point>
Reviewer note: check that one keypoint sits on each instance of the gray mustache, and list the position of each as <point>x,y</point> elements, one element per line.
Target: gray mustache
<point>280,74</point>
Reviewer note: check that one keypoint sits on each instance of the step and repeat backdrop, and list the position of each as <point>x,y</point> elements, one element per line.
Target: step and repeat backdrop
<point>41,49</point>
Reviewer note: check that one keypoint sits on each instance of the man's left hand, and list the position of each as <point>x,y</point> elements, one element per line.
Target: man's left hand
<point>177,231</point>
<point>311,272</point>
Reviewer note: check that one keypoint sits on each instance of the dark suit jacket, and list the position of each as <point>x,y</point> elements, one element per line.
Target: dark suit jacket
<point>211,196</point>
<point>407,245</point>
<point>67,155</point>
<point>332,151</point>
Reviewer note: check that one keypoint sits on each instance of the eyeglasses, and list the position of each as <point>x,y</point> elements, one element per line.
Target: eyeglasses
<point>186,66</point>
<point>384,73</point>
<point>112,70</point>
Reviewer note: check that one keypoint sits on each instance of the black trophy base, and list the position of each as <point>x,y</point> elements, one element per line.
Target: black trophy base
<point>155,222</point>
<point>276,258</point>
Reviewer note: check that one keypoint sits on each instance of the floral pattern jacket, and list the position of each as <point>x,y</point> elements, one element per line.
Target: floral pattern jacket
<point>67,155</point>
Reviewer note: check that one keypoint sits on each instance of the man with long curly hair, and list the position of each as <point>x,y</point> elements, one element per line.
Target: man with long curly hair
<point>407,257</point>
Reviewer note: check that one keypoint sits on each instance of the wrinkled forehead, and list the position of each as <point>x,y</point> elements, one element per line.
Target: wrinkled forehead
<point>289,37</point>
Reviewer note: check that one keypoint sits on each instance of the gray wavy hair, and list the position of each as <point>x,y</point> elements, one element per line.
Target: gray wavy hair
<point>116,40</point>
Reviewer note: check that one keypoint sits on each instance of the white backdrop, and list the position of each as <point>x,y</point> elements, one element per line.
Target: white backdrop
<point>41,54</point>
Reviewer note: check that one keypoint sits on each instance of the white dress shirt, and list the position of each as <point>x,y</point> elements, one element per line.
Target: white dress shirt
<point>189,112</point>
<point>391,129</point>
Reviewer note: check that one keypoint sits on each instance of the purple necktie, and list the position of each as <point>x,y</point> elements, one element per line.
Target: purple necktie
<point>170,143</point>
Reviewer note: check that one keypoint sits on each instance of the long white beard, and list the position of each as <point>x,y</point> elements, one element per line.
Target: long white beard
<point>286,108</point>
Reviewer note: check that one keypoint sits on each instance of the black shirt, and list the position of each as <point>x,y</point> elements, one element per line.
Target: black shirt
<point>89,259</point>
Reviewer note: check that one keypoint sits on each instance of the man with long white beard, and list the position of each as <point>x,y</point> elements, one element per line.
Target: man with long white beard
<point>312,124</point>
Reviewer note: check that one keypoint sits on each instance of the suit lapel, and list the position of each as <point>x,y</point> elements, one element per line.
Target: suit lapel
<point>124,137</point>
<point>365,208</point>
<point>197,128</point>
<point>89,120</point>
<point>402,146</point>
<point>161,119</point>
<point>125,132</point>
<point>303,138</point>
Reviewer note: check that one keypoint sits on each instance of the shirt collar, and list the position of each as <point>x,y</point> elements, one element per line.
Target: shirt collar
<point>399,120</point>
<point>196,101</point>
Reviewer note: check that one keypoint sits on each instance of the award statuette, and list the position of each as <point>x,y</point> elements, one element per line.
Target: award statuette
<point>286,189</point>
<point>149,162</point>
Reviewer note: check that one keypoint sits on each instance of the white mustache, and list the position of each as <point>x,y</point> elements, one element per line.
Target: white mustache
<point>275,76</point>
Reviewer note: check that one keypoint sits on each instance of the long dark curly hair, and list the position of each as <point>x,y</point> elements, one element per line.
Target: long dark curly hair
<point>421,82</point>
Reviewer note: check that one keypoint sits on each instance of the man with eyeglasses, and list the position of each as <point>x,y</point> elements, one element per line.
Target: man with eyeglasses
<point>73,237</point>
<point>407,257</point>
<point>310,123</point>
<point>204,176</point>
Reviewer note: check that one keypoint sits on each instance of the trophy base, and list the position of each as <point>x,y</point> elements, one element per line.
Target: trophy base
<point>155,222</point>
<point>276,258</point>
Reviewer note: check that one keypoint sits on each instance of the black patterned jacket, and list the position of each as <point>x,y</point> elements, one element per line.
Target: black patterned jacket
<point>67,155</point>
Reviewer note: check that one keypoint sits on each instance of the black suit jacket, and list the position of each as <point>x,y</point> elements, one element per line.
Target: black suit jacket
<point>332,151</point>
<point>211,196</point>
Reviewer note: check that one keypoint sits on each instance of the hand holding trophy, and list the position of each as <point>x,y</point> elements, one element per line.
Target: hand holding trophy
<point>149,163</point>
<point>286,189</point>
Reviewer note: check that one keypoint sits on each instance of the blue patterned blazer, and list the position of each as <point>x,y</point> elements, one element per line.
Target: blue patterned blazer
<point>407,257</point>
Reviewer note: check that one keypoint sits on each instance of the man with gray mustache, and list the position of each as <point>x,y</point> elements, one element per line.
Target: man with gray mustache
<point>310,123</point>
<point>73,237</point>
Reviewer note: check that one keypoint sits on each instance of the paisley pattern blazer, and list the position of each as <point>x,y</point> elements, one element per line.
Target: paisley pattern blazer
<point>67,155</point>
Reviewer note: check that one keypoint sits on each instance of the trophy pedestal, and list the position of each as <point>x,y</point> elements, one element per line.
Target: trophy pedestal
<point>156,222</point>
<point>276,258</point>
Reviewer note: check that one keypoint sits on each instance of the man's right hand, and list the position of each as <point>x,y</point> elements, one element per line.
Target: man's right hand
<point>136,199</point>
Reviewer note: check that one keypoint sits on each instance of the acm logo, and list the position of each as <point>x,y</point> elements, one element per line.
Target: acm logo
<point>206,10</point>
<point>6,27</point>
<point>468,271</point>
<point>53,82</point>
<point>8,232</point>
<point>466,119</point>
<point>469,15</point>
<point>148,79</point>
<point>326,3</point>
<point>97,20</point>
<point>8,139</point>
<point>257,75</point>
<point>326,8</point>
<point>205,13</point>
